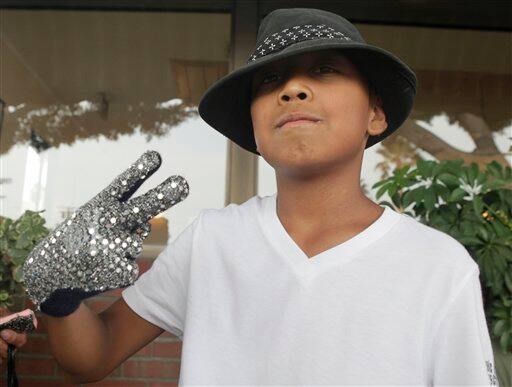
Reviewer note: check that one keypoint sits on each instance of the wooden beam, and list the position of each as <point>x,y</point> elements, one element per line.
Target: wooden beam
<point>124,5</point>
<point>242,166</point>
<point>489,14</point>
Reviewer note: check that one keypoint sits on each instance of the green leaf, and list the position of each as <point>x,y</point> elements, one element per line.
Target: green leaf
<point>469,240</point>
<point>396,200</point>
<point>418,194</point>
<point>441,191</point>
<point>430,199</point>
<point>18,256</point>
<point>4,295</point>
<point>508,281</point>
<point>17,273</point>
<point>499,328</point>
<point>449,180</point>
<point>407,199</point>
<point>453,167</point>
<point>504,339</point>
<point>392,190</point>
<point>456,195</point>
<point>425,167</point>
<point>379,183</point>
<point>494,168</point>
<point>483,232</point>
<point>23,241</point>
<point>383,189</point>
<point>478,206</point>
<point>472,172</point>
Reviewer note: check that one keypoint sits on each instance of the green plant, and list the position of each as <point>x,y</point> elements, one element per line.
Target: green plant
<point>17,239</point>
<point>474,207</point>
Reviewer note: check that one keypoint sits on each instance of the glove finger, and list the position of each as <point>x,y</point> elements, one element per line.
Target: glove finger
<point>143,230</point>
<point>143,208</point>
<point>135,246</point>
<point>125,184</point>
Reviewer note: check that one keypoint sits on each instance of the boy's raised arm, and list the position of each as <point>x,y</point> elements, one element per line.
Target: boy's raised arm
<point>91,252</point>
<point>89,346</point>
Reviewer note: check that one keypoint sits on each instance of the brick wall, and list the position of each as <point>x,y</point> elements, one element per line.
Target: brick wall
<point>155,365</point>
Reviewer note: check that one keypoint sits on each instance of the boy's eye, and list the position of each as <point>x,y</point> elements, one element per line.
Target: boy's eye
<point>270,75</point>
<point>262,82</point>
<point>325,67</point>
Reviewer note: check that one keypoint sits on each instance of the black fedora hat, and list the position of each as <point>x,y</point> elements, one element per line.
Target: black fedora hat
<point>225,105</point>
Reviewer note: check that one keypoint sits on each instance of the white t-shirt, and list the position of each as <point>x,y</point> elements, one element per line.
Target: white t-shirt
<point>398,304</point>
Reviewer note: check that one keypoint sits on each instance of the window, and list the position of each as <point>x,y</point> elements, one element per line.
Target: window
<point>85,93</point>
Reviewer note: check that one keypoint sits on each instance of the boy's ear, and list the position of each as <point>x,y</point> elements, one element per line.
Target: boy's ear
<point>377,120</point>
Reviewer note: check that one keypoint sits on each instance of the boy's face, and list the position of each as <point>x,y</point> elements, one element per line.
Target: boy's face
<point>323,84</point>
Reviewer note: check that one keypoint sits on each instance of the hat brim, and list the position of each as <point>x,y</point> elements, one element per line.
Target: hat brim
<point>225,105</point>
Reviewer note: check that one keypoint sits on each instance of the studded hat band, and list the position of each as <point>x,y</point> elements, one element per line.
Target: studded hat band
<point>280,40</point>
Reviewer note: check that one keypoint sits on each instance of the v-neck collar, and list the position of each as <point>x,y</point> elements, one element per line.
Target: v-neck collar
<point>306,268</point>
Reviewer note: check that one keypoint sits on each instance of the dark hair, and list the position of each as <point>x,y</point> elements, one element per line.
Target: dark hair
<point>372,93</point>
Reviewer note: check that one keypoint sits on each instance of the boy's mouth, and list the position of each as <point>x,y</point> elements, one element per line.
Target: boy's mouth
<point>297,123</point>
<point>296,118</point>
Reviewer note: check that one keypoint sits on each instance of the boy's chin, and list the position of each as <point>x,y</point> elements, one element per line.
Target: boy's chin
<point>303,166</point>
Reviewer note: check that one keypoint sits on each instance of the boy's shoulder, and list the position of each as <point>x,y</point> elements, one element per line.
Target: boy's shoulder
<point>439,245</point>
<point>233,211</point>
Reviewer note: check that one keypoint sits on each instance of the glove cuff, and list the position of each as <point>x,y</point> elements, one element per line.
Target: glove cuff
<point>63,302</point>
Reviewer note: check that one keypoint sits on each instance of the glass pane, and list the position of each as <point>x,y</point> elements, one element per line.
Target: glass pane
<point>462,107</point>
<point>85,93</point>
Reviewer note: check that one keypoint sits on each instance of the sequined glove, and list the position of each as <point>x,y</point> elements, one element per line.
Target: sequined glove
<point>94,249</point>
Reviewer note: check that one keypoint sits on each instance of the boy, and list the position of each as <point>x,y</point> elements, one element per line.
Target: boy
<point>315,284</point>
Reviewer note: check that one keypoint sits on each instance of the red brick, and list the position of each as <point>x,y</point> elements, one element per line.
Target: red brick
<point>36,345</point>
<point>116,373</point>
<point>117,383</point>
<point>163,384</point>
<point>145,351</point>
<point>29,304</point>
<point>151,368</point>
<point>167,349</point>
<point>29,382</point>
<point>31,366</point>
<point>59,372</point>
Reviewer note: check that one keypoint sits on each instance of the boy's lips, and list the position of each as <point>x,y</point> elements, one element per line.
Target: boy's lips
<point>298,117</point>
<point>297,123</point>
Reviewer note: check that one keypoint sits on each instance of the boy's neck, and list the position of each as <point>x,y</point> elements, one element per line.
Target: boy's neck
<point>324,203</point>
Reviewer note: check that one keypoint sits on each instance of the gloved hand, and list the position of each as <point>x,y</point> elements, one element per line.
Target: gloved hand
<point>94,249</point>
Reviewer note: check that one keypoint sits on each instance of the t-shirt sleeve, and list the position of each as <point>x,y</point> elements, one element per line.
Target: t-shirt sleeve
<point>160,294</point>
<point>462,352</point>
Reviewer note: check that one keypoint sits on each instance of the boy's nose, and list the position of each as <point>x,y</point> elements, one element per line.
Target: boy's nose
<point>295,89</point>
